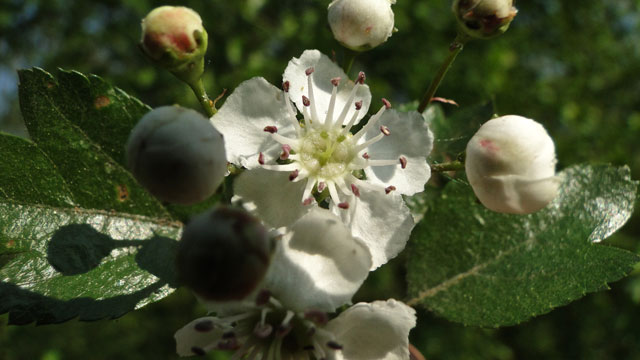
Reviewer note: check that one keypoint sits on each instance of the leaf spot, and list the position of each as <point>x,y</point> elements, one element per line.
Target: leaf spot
<point>101,101</point>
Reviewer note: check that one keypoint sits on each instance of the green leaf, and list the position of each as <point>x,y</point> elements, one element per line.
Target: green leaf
<point>53,113</point>
<point>482,268</point>
<point>28,176</point>
<point>91,264</point>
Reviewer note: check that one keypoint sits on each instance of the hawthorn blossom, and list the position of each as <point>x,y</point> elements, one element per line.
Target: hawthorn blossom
<point>293,162</point>
<point>317,267</point>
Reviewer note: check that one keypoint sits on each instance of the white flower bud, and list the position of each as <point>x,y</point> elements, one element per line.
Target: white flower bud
<point>223,254</point>
<point>510,165</point>
<point>361,24</point>
<point>177,155</point>
<point>174,38</point>
<point>484,18</point>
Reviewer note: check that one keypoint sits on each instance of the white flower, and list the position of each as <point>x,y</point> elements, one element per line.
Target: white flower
<point>361,24</point>
<point>289,162</point>
<point>510,165</point>
<point>317,267</point>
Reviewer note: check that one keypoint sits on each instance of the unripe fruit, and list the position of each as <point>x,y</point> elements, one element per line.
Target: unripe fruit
<point>174,38</point>
<point>177,154</point>
<point>484,18</point>
<point>361,24</point>
<point>510,163</point>
<point>224,254</point>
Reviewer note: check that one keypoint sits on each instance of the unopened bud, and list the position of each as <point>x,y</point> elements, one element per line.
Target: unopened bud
<point>484,18</point>
<point>361,24</point>
<point>177,155</point>
<point>510,164</point>
<point>224,254</point>
<point>174,38</point>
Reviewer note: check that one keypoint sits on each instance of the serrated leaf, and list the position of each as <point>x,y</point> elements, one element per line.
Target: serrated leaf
<point>482,268</point>
<point>96,180</point>
<point>91,264</point>
<point>28,176</point>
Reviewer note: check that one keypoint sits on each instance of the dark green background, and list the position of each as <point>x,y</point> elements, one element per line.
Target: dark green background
<point>572,65</point>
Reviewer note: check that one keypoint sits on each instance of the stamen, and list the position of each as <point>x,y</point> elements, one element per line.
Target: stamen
<point>271,129</point>
<point>403,162</point>
<point>309,71</point>
<point>385,130</point>
<point>285,327</point>
<point>306,194</point>
<point>294,174</point>
<point>335,81</point>
<point>355,190</point>
<point>386,103</point>
<point>361,78</point>
<point>286,150</point>
<point>285,86</point>
<point>321,186</point>
<point>343,205</point>
<point>389,189</point>
<point>285,167</point>
<point>294,143</point>
<point>364,156</point>
<point>328,120</point>
<point>374,119</point>
<point>261,159</point>
<point>314,112</point>
<point>354,117</point>
<point>334,345</point>
<point>359,105</point>
<point>305,101</point>
<point>367,143</point>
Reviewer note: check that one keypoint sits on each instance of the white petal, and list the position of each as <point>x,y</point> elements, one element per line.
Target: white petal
<point>318,265</point>
<point>253,105</point>
<point>374,331</point>
<point>271,196</point>
<point>188,337</point>
<point>410,137</point>
<point>324,71</point>
<point>382,221</point>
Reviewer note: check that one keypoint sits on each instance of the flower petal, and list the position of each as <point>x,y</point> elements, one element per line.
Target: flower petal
<point>197,334</point>
<point>411,138</point>
<point>374,331</point>
<point>253,105</point>
<point>324,71</point>
<point>271,196</point>
<point>382,221</point>
<point>318,265</point>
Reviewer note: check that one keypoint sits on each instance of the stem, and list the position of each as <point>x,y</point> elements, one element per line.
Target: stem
<point>454,49</point>
<point>448,166</point>
<point>203,98</point>
<point>349,57</point>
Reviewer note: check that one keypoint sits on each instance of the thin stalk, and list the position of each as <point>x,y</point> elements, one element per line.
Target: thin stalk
<point>454,49</point>
<point>349,57</point>
<point>448,166</point>
<point>203,98</point>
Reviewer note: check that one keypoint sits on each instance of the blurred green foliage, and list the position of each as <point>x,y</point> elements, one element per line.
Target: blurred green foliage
<point>573,65</point>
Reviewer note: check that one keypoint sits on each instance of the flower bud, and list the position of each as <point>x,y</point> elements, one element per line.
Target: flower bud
<point>361,24</point>
<point>484,18</point>
<point>224,254</point>
<point>510,164</point>
<point>174,38</point>
<point>177,154</point>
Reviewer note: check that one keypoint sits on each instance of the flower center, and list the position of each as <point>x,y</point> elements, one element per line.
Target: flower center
<point>324,151</point>
<point>326,154</point>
